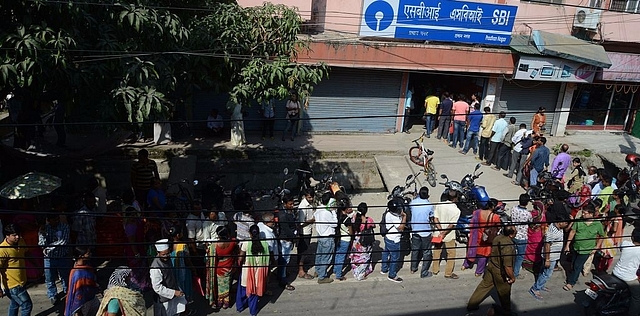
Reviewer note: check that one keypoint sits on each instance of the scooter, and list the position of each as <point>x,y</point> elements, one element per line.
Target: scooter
<point>608,295</point>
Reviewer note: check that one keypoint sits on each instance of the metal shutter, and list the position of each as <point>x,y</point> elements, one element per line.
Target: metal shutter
<point>521,99</point>
<point>355,92</point>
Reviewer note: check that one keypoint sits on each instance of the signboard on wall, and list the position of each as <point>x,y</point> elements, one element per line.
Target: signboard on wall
<point>438,20</point>
<point>552,69</point>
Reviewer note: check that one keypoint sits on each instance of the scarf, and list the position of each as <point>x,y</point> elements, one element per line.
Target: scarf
<point>131,302</point>
<point>473,242</point>
<point>82,288</point>
<point>119,277</point>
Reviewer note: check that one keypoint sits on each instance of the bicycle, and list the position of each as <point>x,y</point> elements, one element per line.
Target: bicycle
<point>423,157</point>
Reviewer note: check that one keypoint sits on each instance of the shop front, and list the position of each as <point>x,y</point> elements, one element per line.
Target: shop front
<point>550,70</point>
<point>610,102</point>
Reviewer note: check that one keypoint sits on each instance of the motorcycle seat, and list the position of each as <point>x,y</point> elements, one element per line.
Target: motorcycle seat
<point>612,282</point>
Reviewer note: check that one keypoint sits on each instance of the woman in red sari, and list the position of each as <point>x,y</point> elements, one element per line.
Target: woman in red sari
<point>221,261</point>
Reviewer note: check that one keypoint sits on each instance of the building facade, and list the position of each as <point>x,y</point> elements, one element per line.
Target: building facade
<point>518,55</point>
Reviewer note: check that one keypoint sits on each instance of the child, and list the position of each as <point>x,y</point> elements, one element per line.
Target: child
<point>592,176</point>
<point>576,177</point>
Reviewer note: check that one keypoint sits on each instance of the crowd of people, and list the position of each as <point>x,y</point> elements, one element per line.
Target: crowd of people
<point>230,257</point>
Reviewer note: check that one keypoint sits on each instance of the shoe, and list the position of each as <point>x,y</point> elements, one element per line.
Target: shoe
<point>436,273</point>
<point>397,279</point>
<point>53,301</point>
<point>414,272</point>
<point>407,132</point>
<point>325,281</point>
<point>429,274</point>
<point>507,175</point>
<point>383,272</point>
<point>462,152</point>
<point>341,279</point>
<point>453,276</point>
<point>428,136</point>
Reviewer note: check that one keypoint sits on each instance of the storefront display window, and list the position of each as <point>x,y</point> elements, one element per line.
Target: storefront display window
<point>602,104</point>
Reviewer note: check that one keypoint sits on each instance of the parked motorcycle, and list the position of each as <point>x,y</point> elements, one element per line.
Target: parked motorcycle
<point>470,198</point>
<point>608,295</point>
<point>546,187</point>
<point>280,192</point>
<point>212,192</point>
<point>324,184</point>
<point>406,192</point>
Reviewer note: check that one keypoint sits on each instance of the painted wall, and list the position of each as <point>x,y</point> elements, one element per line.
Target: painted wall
<point>344,16</point>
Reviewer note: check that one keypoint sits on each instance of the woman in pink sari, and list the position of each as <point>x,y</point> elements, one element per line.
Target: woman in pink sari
<point>535,238</point>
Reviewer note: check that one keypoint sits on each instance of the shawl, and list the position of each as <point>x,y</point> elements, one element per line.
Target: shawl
<point>82,288</point>
<point>131,302</point>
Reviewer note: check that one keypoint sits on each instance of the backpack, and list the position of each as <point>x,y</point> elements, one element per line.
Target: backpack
<point>491,231</point>
<point>367,236</point>
<point>383,224</point>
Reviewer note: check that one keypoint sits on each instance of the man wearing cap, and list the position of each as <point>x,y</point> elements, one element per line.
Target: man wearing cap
<point>164,282</point>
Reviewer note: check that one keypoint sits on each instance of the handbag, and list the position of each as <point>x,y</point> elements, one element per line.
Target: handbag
<point>436,239</point>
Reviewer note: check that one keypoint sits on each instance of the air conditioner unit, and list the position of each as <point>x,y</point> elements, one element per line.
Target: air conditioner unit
<point>587,18</point>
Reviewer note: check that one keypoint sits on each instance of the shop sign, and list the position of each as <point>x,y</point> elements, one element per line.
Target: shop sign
<point>552,69</point>
<point>444,21</point>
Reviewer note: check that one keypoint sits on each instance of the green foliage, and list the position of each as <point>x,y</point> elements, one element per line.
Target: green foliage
<point>128,60</point>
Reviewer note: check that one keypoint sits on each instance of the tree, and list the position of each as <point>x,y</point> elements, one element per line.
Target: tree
<point>128,60</point>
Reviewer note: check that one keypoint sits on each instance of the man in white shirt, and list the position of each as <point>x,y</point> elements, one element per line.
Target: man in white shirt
<point>326,220</point>
<point>215,123</point>
<point>517,159</point>
<point>627,267</point>
<point>305,219</point>
<point>395,219</point>
<point>446,216</point>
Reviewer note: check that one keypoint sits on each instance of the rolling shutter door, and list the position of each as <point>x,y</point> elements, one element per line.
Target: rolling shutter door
<point>521,99</point>
<point>355,92</point>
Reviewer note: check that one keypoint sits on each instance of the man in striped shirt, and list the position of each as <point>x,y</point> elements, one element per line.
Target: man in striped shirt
<point>54,237</point>
<point>143,172</point>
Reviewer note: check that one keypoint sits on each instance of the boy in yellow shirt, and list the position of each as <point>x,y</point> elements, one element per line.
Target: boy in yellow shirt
<point>13,272</point>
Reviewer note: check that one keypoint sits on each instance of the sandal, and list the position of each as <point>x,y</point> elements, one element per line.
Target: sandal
<point>557,269</point>
<point>546,289</point>
<point>535,294</point>
<point>289,287</point>
<point>567,287</point>
<point>306,276</point>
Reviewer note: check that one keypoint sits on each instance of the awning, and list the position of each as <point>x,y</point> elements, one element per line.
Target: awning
<point>625,67</point>
<point>571,48</point>
<point>523,45</point>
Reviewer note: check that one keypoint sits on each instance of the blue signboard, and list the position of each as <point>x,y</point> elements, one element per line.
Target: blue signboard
<point>439,20</point>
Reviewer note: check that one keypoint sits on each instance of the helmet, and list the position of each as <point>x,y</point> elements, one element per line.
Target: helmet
<point>395,205</point>
<point>632,159</point>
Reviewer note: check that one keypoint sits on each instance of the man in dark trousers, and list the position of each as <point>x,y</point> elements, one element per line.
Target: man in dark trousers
<point>445,117</point>
<point>499,274</point>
